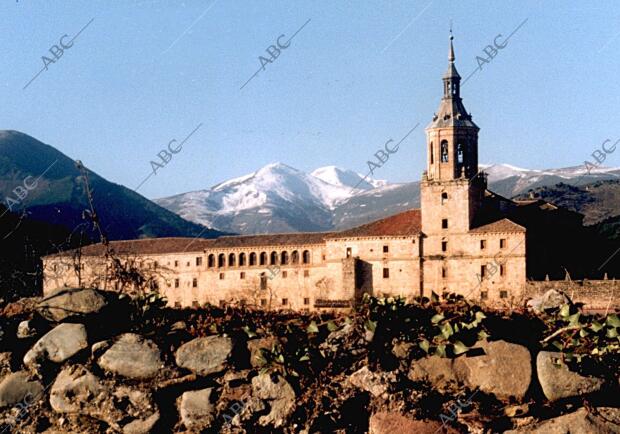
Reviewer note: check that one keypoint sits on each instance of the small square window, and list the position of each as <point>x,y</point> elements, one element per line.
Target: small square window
<point>195,304</point>
<point>194,283</point>
<point>306,273</point>
<point>503,294</point>
<point>221,276</point>
<point>177,304</point>
<point>444,246</point>
<point>502,243</point>
<point>284,301</point>
<point>386,273</point>
<point>306,300</point>
<point>484,295</point>
<point>483,244</point>
<point>284,274</point>
<point>386,249</point>
<point>176,283</point>
<point>242,302</point>
<point>263,302</point>
<point>242,275</point>
<point>444,224</point>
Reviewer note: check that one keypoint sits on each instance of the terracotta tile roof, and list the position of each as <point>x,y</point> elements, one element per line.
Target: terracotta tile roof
<point>402,224</point>
<point>503,225</point>
<point>293,238</point>
<point>149,246</point>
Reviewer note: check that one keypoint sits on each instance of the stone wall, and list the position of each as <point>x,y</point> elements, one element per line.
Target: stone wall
<point>596,295</point>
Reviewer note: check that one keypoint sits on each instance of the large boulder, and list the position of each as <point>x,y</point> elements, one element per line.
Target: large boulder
<point>76,391</point>
<point>58,345</point>
<point>205,356</point>
<point>385,422</point>
<point>278,393</point>
<point>133,357</point>
<point>372,382</point>
<point>504,370</point>
<point>256,345</point>
<point>71,302</point>
<point>19,388</point>
<point>196,409</point>
<point>549,300</point>
<point>558,382</point>
<point>606,421</point>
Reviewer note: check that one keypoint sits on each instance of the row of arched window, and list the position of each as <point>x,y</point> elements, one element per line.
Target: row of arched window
<point>261,259</point>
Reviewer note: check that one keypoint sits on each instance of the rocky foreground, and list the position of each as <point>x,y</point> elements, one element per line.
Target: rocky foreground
<point>87,361</point>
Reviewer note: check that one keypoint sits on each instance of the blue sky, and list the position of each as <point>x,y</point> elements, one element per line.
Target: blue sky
<point>358,74</point>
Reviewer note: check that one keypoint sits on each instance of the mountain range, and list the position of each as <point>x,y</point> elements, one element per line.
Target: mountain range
<point>41,183</point>
<point>280,198</point>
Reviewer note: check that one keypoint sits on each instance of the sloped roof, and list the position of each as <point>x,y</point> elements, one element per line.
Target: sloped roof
<point>402,224</point>
<point>502,225</point>
<point>149,246</point>
<point>295,238</point>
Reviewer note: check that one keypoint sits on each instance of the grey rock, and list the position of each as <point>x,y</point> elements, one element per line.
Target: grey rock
<point>71,302</point>
<point>133,357</point>
<point>280,395</point>
<point>369,381</point>
<point>196,409</point>
<point>436,370</point>
<point>58,345</point>
<point>255,346</point>
<point>549,300</point>
<point>558,382</point>
<point>505,369</point>
<point>580,421</point>
<point>18,388</point>
<point>204,356</point>
<point>25,330</point>
<point>402,349</point>
<point>76,390</point>
<point>99,347</point>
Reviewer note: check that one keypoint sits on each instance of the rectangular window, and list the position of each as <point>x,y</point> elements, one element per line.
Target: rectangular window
<point>155,264</point>
<point>195,304</point>
<point>263,302</point>
<point>502,243</point>
<point>386,249</point>
<point>306,273</point>
<point>242,275</point>
<point>386,273</point>
<point>483,244</point>
<point>176,283</point>
<point>194,283</point>
<point>198,261</point>
<point>444,246</point>
<point>176,263</point>
<point>444,272</point>
<point>483,271</point>
<point>306,301</point>
<point>284,274</point>
<point>242,302</point>
<point>177,304</point>
<point>221,276</point>
<point>502,270</point>
<point>444,224</point>
<point>263,281</point>
<point>484,295</point>
<point>284,301</point>
<point>222,303</point>
<point>349,252</point>
<point>187,264</point>
<point>503,294</point>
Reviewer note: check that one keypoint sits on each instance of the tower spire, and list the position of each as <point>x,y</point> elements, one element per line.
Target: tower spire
<point>451,53</point>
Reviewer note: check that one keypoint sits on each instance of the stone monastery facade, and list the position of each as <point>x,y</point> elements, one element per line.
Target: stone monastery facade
<point>462,240</point>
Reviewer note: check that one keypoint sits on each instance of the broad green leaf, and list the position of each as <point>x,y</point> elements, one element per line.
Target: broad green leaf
<point>312,328</point>
<point>596,326</point>
<point>446,330</point>
<point>304,358</point>
<point>574,319</point>
<point>370,325</point>
<point>441,350</point>
<point>565,311</point>
<point>331,326</point>
<point>480,316</point>
<point>437,318</point>
<point>425,345</point>
<point>557,344</point>
<point>434,297</point>
<point>460,348</point>
<point>583,333</point>
<point>613,320</point>
<point>612,332</point>
<point>482,335</point>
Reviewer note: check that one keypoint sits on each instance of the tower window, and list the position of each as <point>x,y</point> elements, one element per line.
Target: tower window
<point>502,270</point>
<point>502,243</point>
<point>349,252</point>
<point>444,151</point>
<point>194,283</point>
<point>242,275</point>
<point>444,272</point>
<point>503,294</point>
<point>483,244</point>
<point>386,249</point>
<point>444,223</point>
<point>483,271</point>
<point>386,273</point>
<point>444,246</point>
<point>459,153</point>
<point>284,301</point>
<point>432,154</point>
<point>444,197</point>
<point>176,283</point>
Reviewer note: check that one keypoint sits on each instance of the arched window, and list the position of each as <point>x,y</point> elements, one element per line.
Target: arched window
<point>252,259</point>
<point>432,154</point>
<point>263,258</point>
<point>295,257</point>
<point>444,197</point>
<point>273,259</point>
<point>284,258</point>
<point>306,257</point>
<point>211,261</point>
<point>231,260</point>
<point>242,259</point>
<point>221,260</point>
<point>444,151</point>
<point>460,149</point>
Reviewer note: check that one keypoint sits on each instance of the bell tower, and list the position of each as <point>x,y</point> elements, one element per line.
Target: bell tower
<point>452,190</point>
